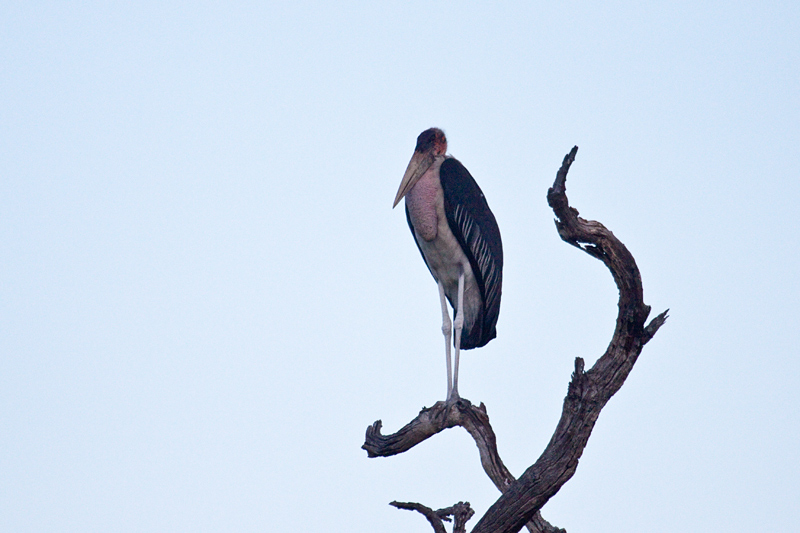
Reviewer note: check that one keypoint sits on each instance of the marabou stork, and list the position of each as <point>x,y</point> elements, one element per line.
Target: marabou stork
<point>459,240</point>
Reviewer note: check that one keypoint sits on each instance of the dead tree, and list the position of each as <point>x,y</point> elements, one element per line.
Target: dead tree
<point>589,390</point>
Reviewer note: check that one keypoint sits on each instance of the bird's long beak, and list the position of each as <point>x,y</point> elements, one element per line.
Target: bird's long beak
<point>420,162</point>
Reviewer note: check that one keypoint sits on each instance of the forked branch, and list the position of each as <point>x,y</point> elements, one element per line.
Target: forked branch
<point>461,512</point>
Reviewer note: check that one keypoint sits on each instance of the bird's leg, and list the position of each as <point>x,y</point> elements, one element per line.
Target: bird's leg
<point>458,324</point>
<point>447,332</point>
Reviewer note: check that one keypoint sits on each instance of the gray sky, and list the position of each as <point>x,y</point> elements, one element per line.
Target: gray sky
<point>206,298</point>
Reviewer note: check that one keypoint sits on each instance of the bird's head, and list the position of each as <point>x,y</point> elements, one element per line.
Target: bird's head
<point>431,144</point>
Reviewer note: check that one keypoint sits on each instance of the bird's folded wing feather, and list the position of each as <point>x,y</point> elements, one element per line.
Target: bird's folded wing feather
<point>475,228</point>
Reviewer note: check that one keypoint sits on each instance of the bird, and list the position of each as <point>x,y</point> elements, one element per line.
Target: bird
<point>459,240</point>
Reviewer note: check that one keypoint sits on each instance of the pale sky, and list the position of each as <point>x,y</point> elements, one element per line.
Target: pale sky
<point>206,297</point>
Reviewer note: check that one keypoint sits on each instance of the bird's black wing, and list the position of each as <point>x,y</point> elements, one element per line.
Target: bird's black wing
<point>475,228</point>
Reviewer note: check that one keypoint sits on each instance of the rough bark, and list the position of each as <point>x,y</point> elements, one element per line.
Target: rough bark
<point>588,391</point>
<point>440,416</point>
<point>461,512</point>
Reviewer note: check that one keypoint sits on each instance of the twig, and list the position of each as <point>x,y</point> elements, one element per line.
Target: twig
<point>461,512</point>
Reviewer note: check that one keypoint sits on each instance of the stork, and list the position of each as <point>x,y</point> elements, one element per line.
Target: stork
<point>459,240</point>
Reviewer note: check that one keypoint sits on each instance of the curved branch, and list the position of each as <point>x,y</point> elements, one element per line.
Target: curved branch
<point>590,390</point>
<point>432,420</point>
<point>432,516</point>
<point>429,422</point>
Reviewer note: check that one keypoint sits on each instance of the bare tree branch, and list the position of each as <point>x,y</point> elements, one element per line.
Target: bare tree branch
<point>434,519</point>
<point>435,419</point>
<point>461,512</point>
<point>431,421</point>
<point>589,391</point>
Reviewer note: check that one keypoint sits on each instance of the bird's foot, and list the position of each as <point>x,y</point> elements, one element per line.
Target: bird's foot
<point>452,399</point>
